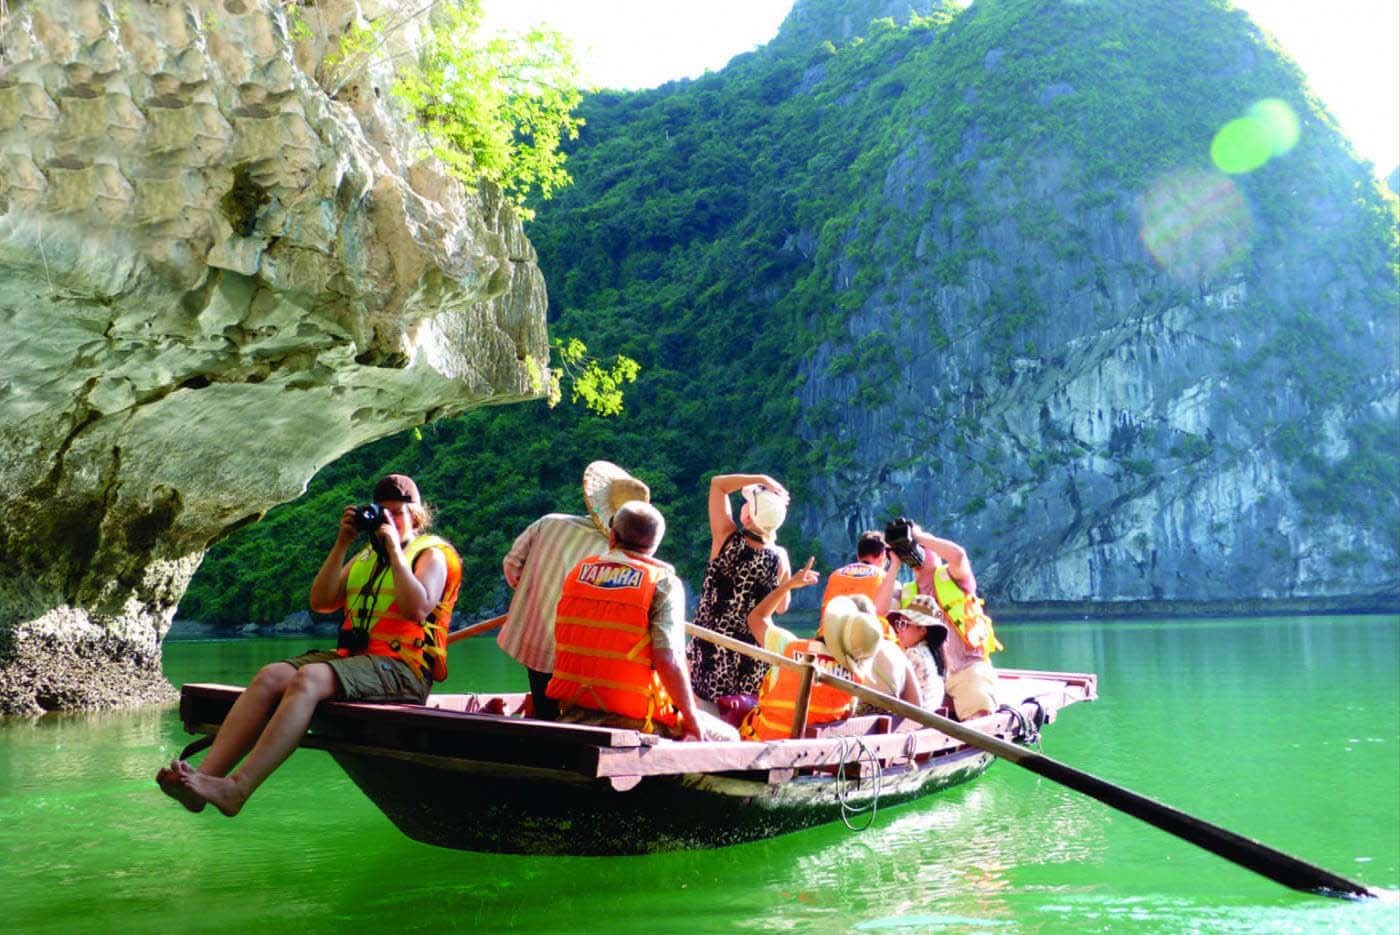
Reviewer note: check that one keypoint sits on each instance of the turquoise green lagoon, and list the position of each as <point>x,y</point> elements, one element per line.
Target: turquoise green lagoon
<point>1286,730</point>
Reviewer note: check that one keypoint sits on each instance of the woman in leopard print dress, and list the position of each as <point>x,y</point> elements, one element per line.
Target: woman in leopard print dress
<point>745,564</point>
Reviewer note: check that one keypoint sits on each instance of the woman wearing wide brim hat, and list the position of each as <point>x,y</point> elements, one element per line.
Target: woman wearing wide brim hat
<point>746,563</point>
<point>921,630</point>
<point>854,637</point>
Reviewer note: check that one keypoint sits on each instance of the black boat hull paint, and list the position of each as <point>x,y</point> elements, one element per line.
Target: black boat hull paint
<point>552,814</point>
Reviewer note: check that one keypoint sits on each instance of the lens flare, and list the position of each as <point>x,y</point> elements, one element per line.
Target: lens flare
<point>1270,128</point>
<point>1281,121</point>
<point>1195,223</point>
<point>1242,145</point>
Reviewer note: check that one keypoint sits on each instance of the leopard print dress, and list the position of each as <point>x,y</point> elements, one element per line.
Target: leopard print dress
<point>735,581</point>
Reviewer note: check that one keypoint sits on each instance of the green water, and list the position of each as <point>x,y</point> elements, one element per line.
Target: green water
<point>1283,729</point>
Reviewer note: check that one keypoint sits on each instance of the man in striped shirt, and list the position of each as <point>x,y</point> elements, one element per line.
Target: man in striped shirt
<point>536,565</point>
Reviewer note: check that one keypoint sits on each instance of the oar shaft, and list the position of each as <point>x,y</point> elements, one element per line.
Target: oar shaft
<point>475,628</point>
<point>1262,859</point>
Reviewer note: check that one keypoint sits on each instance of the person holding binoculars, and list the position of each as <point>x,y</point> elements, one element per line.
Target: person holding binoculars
<point>945,582</point>
<point>397,594</point>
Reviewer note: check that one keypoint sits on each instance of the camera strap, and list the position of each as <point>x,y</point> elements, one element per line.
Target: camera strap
<point>369,595</point>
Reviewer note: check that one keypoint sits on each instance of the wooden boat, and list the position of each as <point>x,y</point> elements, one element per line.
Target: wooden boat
<point>449,774</point>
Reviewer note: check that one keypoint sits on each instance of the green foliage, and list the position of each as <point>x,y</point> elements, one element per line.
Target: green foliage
<point>1143,467</point>
<point>722,230</point>
<point>1360,484</point>
<point>599,387</point>
<point>499,108</point>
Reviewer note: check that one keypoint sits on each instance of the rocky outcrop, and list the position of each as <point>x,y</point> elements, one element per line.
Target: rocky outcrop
<point>225,264</point>
<point>1179,390</point>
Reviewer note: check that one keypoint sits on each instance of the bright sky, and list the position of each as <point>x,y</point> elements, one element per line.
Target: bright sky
<point>1349,49</point>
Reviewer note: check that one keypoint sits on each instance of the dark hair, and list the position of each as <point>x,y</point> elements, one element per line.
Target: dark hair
<point>638,526</point>
<point>934,638</point>
<point>871,543</point>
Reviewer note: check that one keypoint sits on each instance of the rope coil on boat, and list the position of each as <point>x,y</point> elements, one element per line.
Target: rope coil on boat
<point>850,745</point>
<point>1027,731</point>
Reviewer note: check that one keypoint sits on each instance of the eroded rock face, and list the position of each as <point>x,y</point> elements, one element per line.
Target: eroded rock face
<point>224,265</point>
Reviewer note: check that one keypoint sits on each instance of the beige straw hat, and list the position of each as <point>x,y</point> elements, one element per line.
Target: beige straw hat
<point>921,612</point>
<point>851,635</point>
<point>607,487</point>
<point>766,509</point>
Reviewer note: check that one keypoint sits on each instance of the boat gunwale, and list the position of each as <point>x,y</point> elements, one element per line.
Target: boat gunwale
<point>577,752</point>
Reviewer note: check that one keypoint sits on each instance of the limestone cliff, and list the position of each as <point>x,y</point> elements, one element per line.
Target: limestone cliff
<point>1120,375</point>
<point>999,267</point>
<point>224,265</point>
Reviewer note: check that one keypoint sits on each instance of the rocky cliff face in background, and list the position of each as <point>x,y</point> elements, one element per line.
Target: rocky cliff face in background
<point>1094,287</point>
<point>978,266</point>
<point>224,265</point>
<point>1166,388</point>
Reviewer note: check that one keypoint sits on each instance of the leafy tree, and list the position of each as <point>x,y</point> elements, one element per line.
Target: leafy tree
<point>498,107</point>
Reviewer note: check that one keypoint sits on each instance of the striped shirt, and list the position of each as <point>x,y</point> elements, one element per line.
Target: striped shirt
<point>541,556</point>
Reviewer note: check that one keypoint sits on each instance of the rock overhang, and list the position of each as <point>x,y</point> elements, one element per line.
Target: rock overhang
<point>218,277</point>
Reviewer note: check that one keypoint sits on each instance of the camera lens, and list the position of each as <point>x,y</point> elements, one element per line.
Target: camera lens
<point>368,517</point>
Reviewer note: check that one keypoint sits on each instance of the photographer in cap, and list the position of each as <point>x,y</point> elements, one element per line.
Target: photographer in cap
<point>397,594</point>
<point>946,585</point>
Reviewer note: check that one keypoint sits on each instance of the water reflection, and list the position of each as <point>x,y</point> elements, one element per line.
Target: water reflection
<point>1285,730</point>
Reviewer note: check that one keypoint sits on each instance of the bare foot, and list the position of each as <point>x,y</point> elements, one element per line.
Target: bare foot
<point>168,778</point>
<point>220,791</point>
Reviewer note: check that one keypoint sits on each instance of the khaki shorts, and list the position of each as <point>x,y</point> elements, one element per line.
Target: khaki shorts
<point>973,689</point>
<point>367,678</point>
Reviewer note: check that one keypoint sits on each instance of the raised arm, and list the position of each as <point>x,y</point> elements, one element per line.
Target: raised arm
<point>721,512</point>
<point>956,557</point>
<point>328,587</point>
<point>884,595</point>
<point>776,601</point>
<point>416,590</point>
<point>785,575</point>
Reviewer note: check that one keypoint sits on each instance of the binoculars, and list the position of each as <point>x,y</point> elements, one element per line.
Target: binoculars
<point>899,536</point>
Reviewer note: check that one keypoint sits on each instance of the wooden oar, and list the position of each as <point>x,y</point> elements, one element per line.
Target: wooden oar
<point>475,628</point>
<point>1262,859</point>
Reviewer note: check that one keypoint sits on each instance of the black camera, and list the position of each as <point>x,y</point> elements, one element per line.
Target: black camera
<point>368,517</point>
<point>355,639</point>
<point>899,536</point>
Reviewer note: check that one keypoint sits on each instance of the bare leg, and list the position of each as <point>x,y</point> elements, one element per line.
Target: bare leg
<point>246,719</point>
<point>236,735</point>
<point>311,685</point>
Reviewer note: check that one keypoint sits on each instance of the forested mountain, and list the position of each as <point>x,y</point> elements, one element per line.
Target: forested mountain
<point>978,266</point>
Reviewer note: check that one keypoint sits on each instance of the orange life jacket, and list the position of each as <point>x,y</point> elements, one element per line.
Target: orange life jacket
<point>602,640</point>
<point>771,718</point>
<point>855,578</point>
<point>371,608</point>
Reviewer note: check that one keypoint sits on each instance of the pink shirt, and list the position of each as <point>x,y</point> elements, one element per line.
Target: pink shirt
<point>542,555</point>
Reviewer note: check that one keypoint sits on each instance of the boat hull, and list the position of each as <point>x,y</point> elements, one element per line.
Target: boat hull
<point>552,815</point>
<point>453,774</point>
